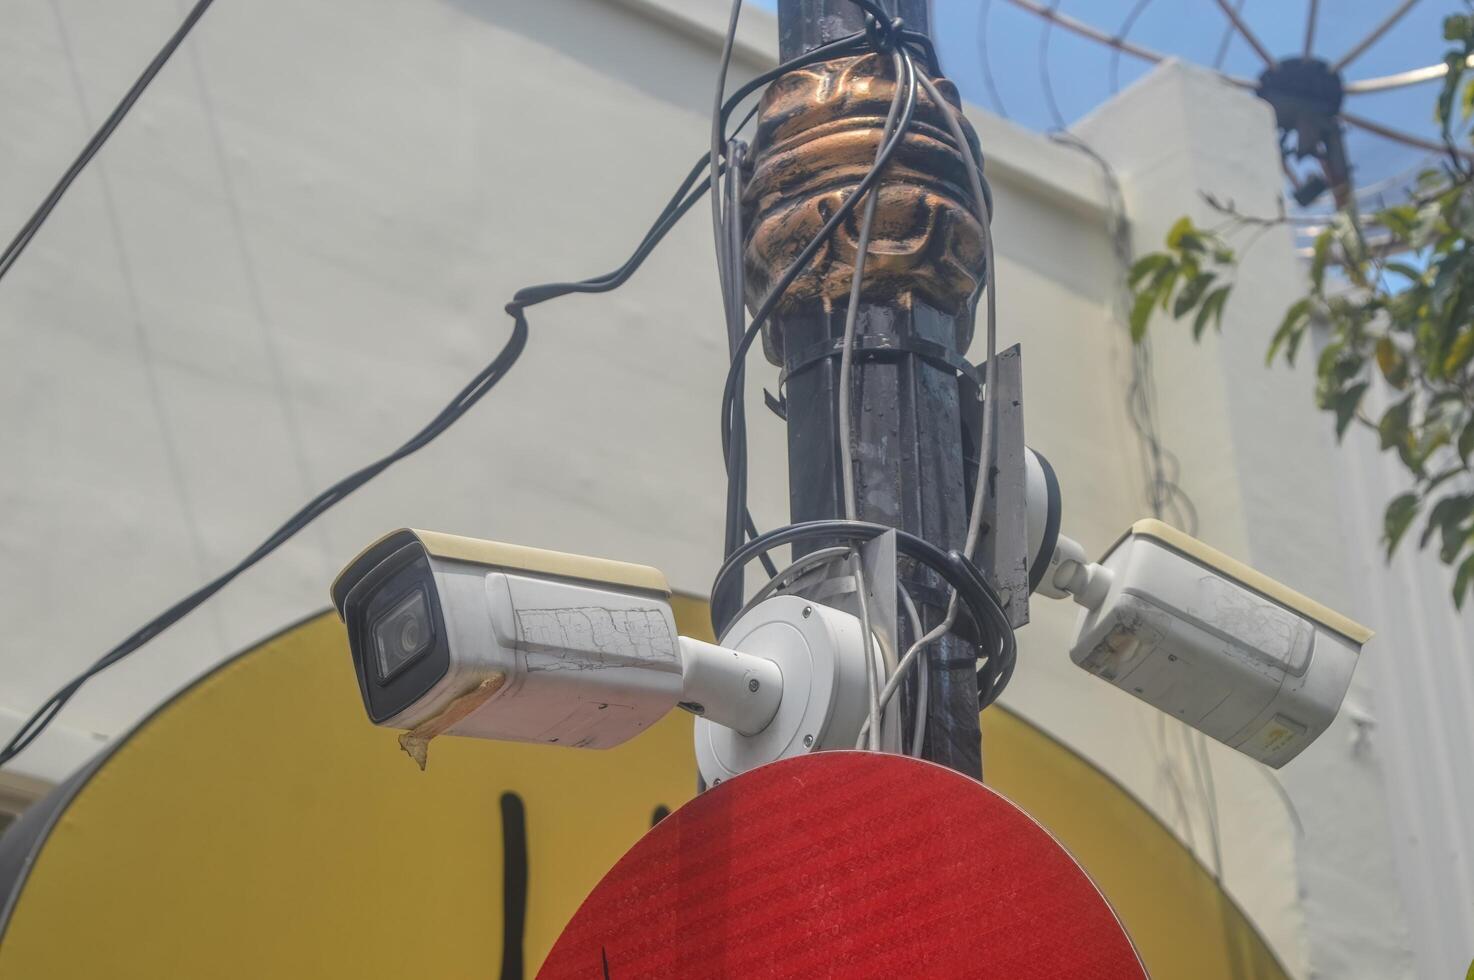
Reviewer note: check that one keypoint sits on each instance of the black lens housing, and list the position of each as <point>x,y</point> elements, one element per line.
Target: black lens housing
<point>403,633</point>
<point>402,572</point>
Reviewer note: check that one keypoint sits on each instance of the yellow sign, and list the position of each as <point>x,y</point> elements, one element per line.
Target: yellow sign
<point>257,826</point>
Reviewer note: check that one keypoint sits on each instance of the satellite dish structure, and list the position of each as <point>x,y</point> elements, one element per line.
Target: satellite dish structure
<point>1314,94</point>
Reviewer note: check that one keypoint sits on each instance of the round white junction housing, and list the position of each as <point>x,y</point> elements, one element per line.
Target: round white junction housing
<point>820,654</point>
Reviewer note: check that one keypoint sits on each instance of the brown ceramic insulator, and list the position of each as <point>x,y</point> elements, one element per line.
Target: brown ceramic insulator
<point>818,131</point>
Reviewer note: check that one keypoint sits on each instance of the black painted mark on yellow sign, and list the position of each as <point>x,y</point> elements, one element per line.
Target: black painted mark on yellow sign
<point>514,884</point>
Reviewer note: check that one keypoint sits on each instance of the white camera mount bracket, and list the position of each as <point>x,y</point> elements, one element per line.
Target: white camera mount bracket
<point>820,655</point>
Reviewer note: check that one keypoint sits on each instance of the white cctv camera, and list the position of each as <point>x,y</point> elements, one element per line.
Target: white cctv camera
<point>1208,640</point>
<point>455,636</point>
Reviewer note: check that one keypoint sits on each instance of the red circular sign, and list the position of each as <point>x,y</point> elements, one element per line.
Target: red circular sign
<point>846,864</point>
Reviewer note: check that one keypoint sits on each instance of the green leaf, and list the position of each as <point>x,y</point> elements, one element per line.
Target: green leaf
<point>1460,352</point>
<point>1345,405</point>
<point>1141,314</point>
<point>1454,539</point>
<point>1295,317</point>
<point>1180,231</point>
<point>1410,273</point>
<point>1192,293</point>
<point>1398,519</point>
<point>1459,212</point>
<point>1165,281</point>
<point>1446,281</point>
<point>1435,482</point>
<point>1419,450</point>
<point>1320,256</point>
<point>1147,265</point>
<point>1456,27</point>
<point>1392,363</point>
<point>1446,96</point>
<point>1466,441</point>
<point>1449,512</point>
<point>1462,579</point>
<point>1325,365</point>
<point>1401,221</point>
<point>1212,308</point>
<point>1393,428</point>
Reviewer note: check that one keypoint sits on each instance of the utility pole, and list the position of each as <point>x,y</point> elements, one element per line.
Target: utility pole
<point>915,323</point>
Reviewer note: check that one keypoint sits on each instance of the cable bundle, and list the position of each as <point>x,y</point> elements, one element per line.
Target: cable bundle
<point>993,631</point>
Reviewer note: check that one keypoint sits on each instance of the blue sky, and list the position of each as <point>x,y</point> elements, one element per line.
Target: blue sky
<point>1080,70</point>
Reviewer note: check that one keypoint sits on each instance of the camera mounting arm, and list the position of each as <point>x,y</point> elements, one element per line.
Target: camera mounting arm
<point>1071,575</point>
<point>728,687</point>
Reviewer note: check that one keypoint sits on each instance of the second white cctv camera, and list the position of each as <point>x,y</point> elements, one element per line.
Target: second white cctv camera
<point>1209,640</point>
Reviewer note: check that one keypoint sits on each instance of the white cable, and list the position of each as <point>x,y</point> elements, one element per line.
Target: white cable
<point>857,277</point>
<point>872,680</point>
<point>990,408</point>
<point>874,673</point>
<point>923,703</point>
<point>923,678</point>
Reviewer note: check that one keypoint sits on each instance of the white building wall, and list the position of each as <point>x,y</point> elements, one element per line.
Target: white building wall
<point>1414,716</point>
<point>299,245</point>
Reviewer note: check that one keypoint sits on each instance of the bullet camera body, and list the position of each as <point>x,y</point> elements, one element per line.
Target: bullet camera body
<point>453,635</point>
<point>1213,643</point>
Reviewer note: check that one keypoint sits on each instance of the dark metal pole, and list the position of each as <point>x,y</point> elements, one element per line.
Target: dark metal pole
<point>805,24</point>
<point>914,324</point>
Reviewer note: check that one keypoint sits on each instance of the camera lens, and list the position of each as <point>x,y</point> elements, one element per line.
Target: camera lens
<point>403,634</point>
<point>411,634</point>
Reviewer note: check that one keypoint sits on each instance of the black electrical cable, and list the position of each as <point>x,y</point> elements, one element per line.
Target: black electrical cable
<point>48,204</point>
<point>738,523</point>
<point>849,44</point>
<point>1046,80</point>
<point>985,60</point>
<point>687,194</point>
<point>857,43</point>
<point>737,517</point>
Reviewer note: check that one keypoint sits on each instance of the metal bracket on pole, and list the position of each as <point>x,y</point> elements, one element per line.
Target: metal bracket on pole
<point>877,563</point>
<point>833,584</point>
<point>1003,552</point>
